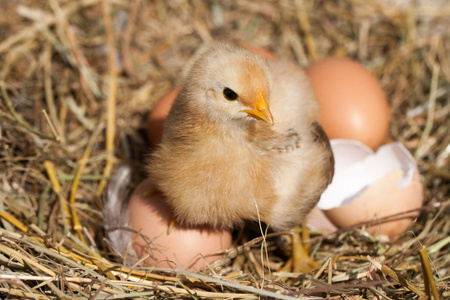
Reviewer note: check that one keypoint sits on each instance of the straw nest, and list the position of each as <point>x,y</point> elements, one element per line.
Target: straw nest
<point>77,79</point>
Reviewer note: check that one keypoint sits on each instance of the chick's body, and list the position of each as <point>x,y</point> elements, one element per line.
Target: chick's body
<point>222,161</point>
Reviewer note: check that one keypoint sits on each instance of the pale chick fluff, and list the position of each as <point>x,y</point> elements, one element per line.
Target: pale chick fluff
<point>221,161</point>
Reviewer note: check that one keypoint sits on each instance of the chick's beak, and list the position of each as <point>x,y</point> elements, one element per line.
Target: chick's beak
<point>261,110</point>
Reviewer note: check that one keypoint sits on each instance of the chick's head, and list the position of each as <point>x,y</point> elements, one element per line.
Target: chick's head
<point>232,83</point>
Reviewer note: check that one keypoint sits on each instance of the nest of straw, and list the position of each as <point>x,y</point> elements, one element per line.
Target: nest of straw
<point>77,79</point>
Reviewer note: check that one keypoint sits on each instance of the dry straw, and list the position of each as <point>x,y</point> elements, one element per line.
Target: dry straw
<point>77,79</point>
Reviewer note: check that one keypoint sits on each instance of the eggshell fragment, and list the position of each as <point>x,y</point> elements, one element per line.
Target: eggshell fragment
<point>317,220</point>
<point>184,246</point>
<point>369,186</point>
<point>353,104</point>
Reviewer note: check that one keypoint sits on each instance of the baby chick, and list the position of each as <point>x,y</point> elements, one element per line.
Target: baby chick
<point>242,142</point>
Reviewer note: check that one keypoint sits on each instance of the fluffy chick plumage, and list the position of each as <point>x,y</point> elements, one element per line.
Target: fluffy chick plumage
<point>218,164</point>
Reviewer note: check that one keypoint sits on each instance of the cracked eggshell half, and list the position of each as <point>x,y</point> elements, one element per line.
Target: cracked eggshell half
<point>369,186</point>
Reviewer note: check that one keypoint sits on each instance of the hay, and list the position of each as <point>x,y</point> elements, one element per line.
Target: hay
<point>77,79</point>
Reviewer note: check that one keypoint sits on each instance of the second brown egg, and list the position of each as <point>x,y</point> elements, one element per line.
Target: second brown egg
<point>353,103</point>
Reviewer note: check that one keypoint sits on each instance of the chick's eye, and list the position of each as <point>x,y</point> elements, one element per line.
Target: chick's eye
<point>229,94</point>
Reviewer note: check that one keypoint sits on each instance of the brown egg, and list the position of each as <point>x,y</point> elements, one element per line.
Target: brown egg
<point>262,52</point>
<point>156,118</point>
<point>353,104</point>
<point>183,247</point>
<point>381,199</point>
<point>158,115</point>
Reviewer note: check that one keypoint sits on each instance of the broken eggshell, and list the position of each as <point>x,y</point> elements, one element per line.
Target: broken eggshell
<point>369,186</point>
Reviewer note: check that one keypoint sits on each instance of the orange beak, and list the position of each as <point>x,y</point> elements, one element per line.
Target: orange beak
<point>261,110</point>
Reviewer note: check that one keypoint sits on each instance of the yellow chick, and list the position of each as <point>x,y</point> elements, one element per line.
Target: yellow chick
<point>242,142</point>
